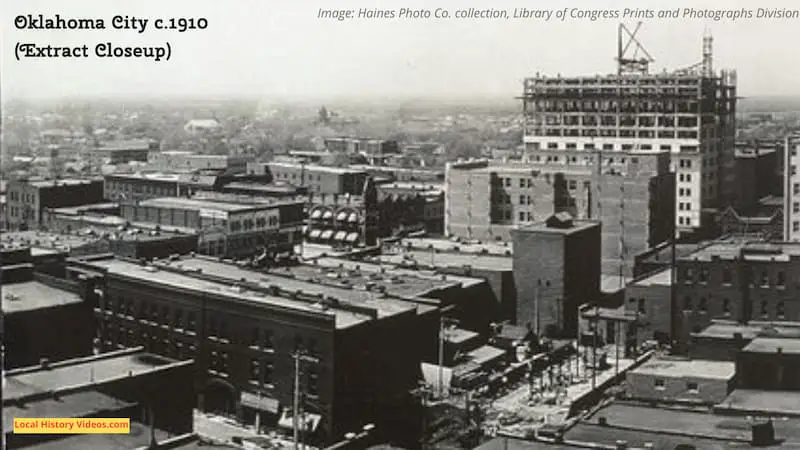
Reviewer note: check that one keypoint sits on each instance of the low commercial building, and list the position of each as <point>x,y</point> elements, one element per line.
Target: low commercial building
<point>228,226</point>
<point>121,152</point>
<point>770,363</point>
<point>184,161</point>
<point>66,220</point>
<point>43,318</point>
<point>128,384</point>
<point>681,381</point>
<point>244,329</point>
<point>724,340</point>
<point>649,298</point>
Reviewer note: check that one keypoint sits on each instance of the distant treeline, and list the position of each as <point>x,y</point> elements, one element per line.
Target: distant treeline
<point>769,104</point>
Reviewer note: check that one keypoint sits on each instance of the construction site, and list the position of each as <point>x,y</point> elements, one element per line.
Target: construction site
<point>689,112</point>
<point>636,150</point>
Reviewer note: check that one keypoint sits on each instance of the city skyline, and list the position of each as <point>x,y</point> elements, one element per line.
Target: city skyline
<point>285,51</point>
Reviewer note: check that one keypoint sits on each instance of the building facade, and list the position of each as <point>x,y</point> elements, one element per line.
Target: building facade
<point>244,336</point>
<point>319,180</point>
<point>738,281</point>
<point>43,318</point>
<point>227,225</point>
<point>631,193</point>
<point>561,260</point>
<point>27,199</point>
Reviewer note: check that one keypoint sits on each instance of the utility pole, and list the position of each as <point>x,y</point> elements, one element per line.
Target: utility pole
<point>594,349</point>
<point>296,401</point>
<point>442,320</point>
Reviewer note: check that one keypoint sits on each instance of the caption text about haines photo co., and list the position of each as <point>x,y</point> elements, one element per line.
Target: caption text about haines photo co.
<point>558,14</point>
<point>34,49</point>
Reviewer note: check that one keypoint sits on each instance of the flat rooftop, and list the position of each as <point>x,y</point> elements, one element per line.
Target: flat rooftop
<point>399,281</point>
<point>44,239</point>
<point>33,295</point>
<point>667,428</point>
<point>89,371</point>
<point>763,402</point>
<point>74,405</point>
<point>727,330</point>
<point>662,278</point>
<point>542,227</point>
<point>62,182</point>
<point>82,209</point>
<point>719,370</point>
<point>316,168</point>
<point>785,345</point>
<point>432,258</point>
<point>154,176</point>
<point>195,204</point>
<point>232,275</point>
<point>732,248</point>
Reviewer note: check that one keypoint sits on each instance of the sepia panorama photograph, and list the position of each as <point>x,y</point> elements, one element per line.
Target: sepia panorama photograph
<point>400,225</point>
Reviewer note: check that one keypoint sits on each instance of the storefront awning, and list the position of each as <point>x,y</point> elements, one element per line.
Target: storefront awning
<point>316,214</point>
<point>326,235</point>
<point>341,216</point>
<point>314,234</point>
<point>260,403</point>
<point>340,235</point>
<point>352,237</point>
<point>328,214</point>
<point>353,218</point>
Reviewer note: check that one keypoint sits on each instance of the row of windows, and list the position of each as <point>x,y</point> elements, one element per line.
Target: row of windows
<point>216,328</point>
<point>261,369</point>
<point>690,275</point>
<point>27,198</point>
<point>763,309</point>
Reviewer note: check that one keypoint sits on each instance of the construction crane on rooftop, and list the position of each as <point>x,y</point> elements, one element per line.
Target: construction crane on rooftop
<point>630,62</point>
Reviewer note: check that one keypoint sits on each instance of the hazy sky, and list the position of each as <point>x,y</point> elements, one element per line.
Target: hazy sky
<point>280,48</point>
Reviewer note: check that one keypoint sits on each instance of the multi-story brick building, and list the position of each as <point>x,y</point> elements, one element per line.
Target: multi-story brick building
<point>244,329</point>
<point>27,199</point>
<point>631,193</point>
<point>791,190</point>
<point>561,262</point>
<point>689,113</point>
<point>736,280</point>
<point>411,207</point>
<point>228,225</point>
